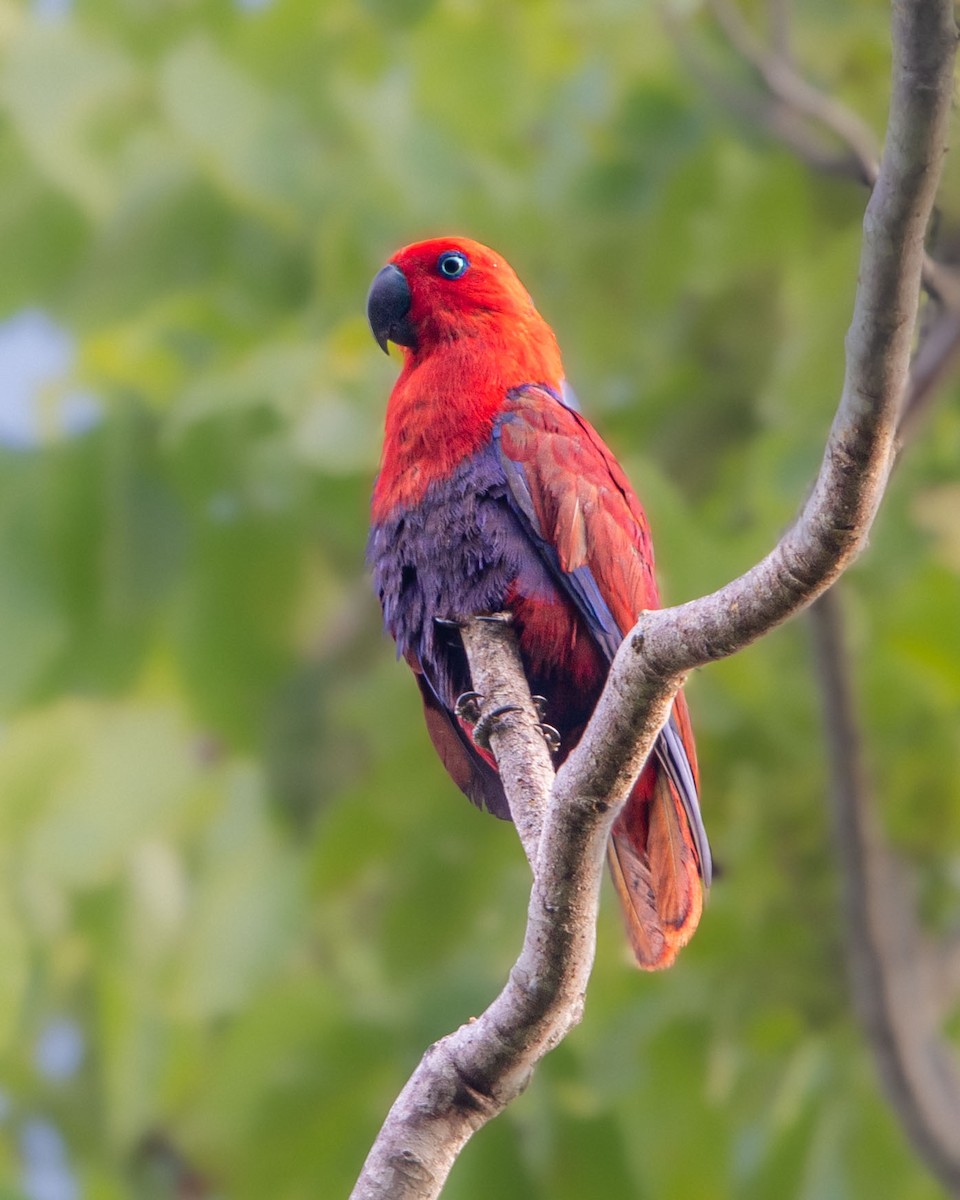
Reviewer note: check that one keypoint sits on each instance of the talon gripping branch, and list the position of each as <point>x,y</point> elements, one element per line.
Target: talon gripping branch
<point>495,495</point>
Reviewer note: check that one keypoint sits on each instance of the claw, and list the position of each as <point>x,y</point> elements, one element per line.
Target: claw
<point>551,735</point>
<point>484,727</point>
<point>467,707</point>
<point>448,622</point>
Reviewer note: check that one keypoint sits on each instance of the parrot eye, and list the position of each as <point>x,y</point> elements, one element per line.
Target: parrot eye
<point>452,264</point>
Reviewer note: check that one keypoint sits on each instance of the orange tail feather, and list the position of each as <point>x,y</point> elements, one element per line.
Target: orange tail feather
<point>654,867</point>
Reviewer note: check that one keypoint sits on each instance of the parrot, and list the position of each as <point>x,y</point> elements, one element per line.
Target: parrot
<point>495,494</point>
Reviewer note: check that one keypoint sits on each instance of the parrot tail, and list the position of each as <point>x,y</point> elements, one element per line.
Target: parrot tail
<point>655,870</point>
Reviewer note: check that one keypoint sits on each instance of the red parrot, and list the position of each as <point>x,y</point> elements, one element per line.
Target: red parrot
<point>494,494</point>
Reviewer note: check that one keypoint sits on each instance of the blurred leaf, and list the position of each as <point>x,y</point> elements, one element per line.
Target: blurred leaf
<point>33,626</point>
<point>232,860</point>
<point>86,802</point>
<point>69,130</point>
<point>243,913</point>
<point>256,145</point>
<point>938,512</point>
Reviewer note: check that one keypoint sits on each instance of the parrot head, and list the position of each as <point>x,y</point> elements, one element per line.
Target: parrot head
<point>434,292</point>
<point>470,335</point>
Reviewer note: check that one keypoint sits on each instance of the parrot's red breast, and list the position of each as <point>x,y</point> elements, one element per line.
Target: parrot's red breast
<point>495,494</point>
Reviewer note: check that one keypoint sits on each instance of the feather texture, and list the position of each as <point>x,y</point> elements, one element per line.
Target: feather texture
<point>495,494</point>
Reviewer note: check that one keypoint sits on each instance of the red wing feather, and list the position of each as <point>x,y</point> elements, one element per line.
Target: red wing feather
<point>581,502</point>
<point>591,529</point>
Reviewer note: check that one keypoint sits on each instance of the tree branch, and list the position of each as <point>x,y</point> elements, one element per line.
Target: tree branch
<point>469,1076</point>
<point>903,981</point>
<point>525,765</point>
<point>895,971</point>
<point>934,362</point>
<point>798,111</point>
<point>779,16</point>
<point>834,523</point>
<point>776,119</point>
<point>785,83</point>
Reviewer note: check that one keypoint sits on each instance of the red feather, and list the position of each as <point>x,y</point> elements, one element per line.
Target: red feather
<point>493,493</point>
<point>475,342</point>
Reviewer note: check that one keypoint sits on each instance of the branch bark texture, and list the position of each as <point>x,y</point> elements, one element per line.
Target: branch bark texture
<point>520,751</point>
<point>468,1077</point>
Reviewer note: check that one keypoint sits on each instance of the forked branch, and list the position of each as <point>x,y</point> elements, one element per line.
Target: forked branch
<point>468,1077</point>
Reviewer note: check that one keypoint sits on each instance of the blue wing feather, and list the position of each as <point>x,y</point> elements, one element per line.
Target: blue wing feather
<point>671,753</point>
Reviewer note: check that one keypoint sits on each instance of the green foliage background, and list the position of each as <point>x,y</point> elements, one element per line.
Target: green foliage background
<point>229,860</point>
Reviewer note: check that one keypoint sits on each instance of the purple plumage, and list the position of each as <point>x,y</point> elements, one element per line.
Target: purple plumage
<point>494,495</point>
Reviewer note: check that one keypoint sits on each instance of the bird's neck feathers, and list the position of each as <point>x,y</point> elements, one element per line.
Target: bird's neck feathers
<point>448,395</point>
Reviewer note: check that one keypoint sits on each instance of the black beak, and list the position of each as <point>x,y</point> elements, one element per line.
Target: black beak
<point>388,303</point>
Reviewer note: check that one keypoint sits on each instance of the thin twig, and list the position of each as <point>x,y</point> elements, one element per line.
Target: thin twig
<point>948,973</point>
<point>779,15</point>
<point>785,83</point>
<point>935,361</point>
<point>775,119</point>
<point>895,977</point>
<point>798,102</point>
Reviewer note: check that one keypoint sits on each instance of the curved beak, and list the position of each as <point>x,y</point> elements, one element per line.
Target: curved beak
<point>388,303</point>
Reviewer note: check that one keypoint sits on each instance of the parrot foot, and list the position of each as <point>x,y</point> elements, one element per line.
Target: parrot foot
<point>497,618</point>
<point>551,735</point>
<point>467,707</point>
<point>485,726</point>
